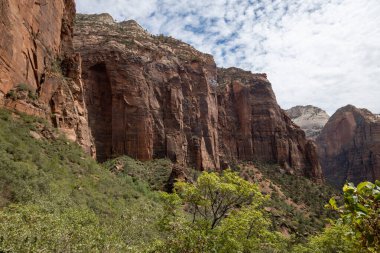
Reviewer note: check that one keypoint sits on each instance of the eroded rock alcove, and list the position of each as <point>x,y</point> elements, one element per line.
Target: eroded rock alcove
<point>99,104</point>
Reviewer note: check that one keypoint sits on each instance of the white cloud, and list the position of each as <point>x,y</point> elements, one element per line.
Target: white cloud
<point>320,52</point>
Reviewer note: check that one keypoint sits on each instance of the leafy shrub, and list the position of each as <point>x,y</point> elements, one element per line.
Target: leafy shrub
<point>51,180</point>
<point>16,93</point>
<point>156,172</point>
<point>302,191</point>
<point>30,228</point>
<point>332,240</point>
<point>55,68</point>
<point>361,213</point>
<point>11,94</point>
<point>24,87</point>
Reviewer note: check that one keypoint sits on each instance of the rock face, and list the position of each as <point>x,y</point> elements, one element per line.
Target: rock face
<point>39,72</point>
<point>252,126</point>
<point>311,119</point>
<point>349,146</point>
<point>147,96</point>
<point>154,96</point>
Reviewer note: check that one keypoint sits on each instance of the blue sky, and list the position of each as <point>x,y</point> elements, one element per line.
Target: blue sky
<point>320,52</point>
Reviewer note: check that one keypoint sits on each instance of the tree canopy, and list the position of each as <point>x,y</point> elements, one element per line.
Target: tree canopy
<point>223,214</point>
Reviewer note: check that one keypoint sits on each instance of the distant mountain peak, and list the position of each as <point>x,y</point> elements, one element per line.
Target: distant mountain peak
<point>361,112</point>
<point>105,18</point>
<point>131,24</point>
<point>349,146</point>
<point>310,118</point>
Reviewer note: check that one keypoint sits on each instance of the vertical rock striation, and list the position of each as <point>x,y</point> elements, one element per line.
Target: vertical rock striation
<point>39,72</point>
<point>31,35</point>
<point>141,95</point>
<point>147,96</point>
<point>154,96</point>
<point>252,126</point>
<point>349,146</point>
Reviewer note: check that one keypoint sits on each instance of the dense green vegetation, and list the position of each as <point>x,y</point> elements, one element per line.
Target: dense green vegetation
<point>54,198</point>
<point>361,213</point>
<point>333,239</point>
<point>296,203</point>
<point>358,228</point>
<point>223,214</point>
<point>156,172</point>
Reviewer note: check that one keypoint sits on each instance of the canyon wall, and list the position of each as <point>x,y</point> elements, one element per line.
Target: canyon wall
<point>252,126</point>
<point>141,95</point>
<point>154,96</point>
<point>147,96</point>
<point>39,72</point>
<point>349,146</point>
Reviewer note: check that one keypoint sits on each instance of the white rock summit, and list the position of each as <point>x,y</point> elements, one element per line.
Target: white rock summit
<point>311,119</point>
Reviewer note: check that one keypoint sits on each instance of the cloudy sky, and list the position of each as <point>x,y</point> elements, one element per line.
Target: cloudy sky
<point>320,52</point>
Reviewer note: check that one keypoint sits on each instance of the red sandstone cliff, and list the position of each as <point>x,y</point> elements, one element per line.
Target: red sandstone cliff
<point>154,96</point>
<point>349,146</point>
<point>145,96</point>
<point>39,72</point>
<point>252,126</point>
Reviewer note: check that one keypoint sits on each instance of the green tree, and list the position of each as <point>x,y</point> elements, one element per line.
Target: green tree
<point>332,240</point>
<point>212,197</point>
<point>361,213</point>
<point>248,230</point>
<point>223,214</point>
